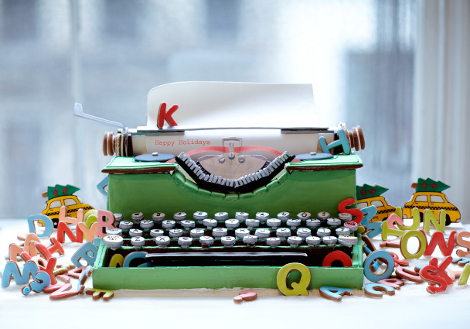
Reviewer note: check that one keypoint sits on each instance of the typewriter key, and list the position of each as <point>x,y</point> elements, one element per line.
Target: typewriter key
<point>209,223</point>
<point>283,233</point>
<point>184,242</point>
<point>313,223</point>
<point>200,215</point>
<point>175,233</point>
<point>333,222</point>
<point>304,232</point>
<point>304,215</point>
<point>188,224</point>
<point>228,241</point>
<point>262,233</point>
<point>168,224</point>
<point>135,232</point>
<point>137,217</point>
<point>251,223</point>
<point>206,241</point>
<point>329,240</point>
<point>294,241</point>
<point>219,232</point>
<point>179,216</point>
<point>352,226</point>
<point>241,216</point>
<point>321,232</point>
<point>323,216</point>
<point>138,242</point>
<point>274,223</point>
<point>125,225</point>
<point>162,241</point>
<point>342,231</point>
<point>241,232</point>
<point>293,223</point>
<point>221,216</point>
<point>232,223</point>
<point>117,218</point>
<point>146,224</point>
<point>196,233</point>
<point>156,232</point>
<point>347,241</point>
<point>313,241</point>
<point>283,216</point>
<point>158,217</point>
<point>273,242</point>
<point>262,217</point>
<point>250,239</point>
<point>113,241</point>
<point>114,231</point>
<point>345,217</point>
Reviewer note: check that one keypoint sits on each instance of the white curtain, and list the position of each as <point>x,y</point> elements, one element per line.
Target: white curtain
<point>442,97</point>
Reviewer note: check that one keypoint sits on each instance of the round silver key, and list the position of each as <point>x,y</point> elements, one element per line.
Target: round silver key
<point>250,239</point>
<point>283,233</point>
<point>168,224</point>
<point>241,216</point>
<point>228,241</point>
<point>342,231</point>
<point>262,233</point>
<point>199,216</point>
<point>156,232</point>
<point>345,217</point>
<point>206,240</point>
<point>347,241</point>
<point>329,240</point>
<point>175,233</point>
<point>262,217</point>
<point>274,223</point>
<point>209,223</point>
<point>283,216</point>
<point>158,217</point>
<point>219,232</point>
<point>352,226</point>
<point>294,241</point>
<point>313,222</point>
<point>196,233</point>
<point>188,224</point>
<point>273,242</point>
<point>293,223</point>
<point>113,241</point>
<point>146,224</point>
<point>184,242</point>
<point>135,232</point>
<point>323,232</point>
<point>333,222</point>
<point>251,223</point>
<point>323,215</point>
<point>179,216</point>
<point>304,232</point>
<point>162,241</point>
<point>313,240</point>
<point>232,223</point>
<point>221,216</point>
<point>137,217</point>
<point>114,231</point>
<point>138,242</point>
<point>118,217</point>
<point>241,232</point>
<point>126,225</point>
<point>304,215</point>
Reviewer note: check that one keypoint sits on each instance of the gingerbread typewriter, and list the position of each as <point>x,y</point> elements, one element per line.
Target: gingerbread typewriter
<point>231,198</point>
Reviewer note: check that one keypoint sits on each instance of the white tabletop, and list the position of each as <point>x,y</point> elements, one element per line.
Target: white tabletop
<point>216,309</point>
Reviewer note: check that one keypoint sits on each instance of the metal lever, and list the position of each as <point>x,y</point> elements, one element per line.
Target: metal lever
<point>78,111</point>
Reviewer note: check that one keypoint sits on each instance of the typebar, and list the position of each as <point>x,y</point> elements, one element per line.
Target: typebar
<point>226,258</point>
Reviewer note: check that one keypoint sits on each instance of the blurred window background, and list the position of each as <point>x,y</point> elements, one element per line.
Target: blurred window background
<point>357,54</point>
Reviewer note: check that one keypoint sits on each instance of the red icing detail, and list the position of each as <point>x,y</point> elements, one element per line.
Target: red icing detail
<point>337,255</point>
<point>436,275</point>
<point>64,190</point>
<point>434,186</point>
<point>163,116</point>
<point>355,212</point>
<point>63,229</point>
<point>363,192</point>
<point>55,192</point>
<point>55,246</point>
<point>372,191</point>
<point>438,239</point>
<point>424,186</point>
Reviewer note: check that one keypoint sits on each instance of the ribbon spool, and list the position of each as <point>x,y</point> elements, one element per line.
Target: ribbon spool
<point>355,137</point>
<point>118,144</point>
